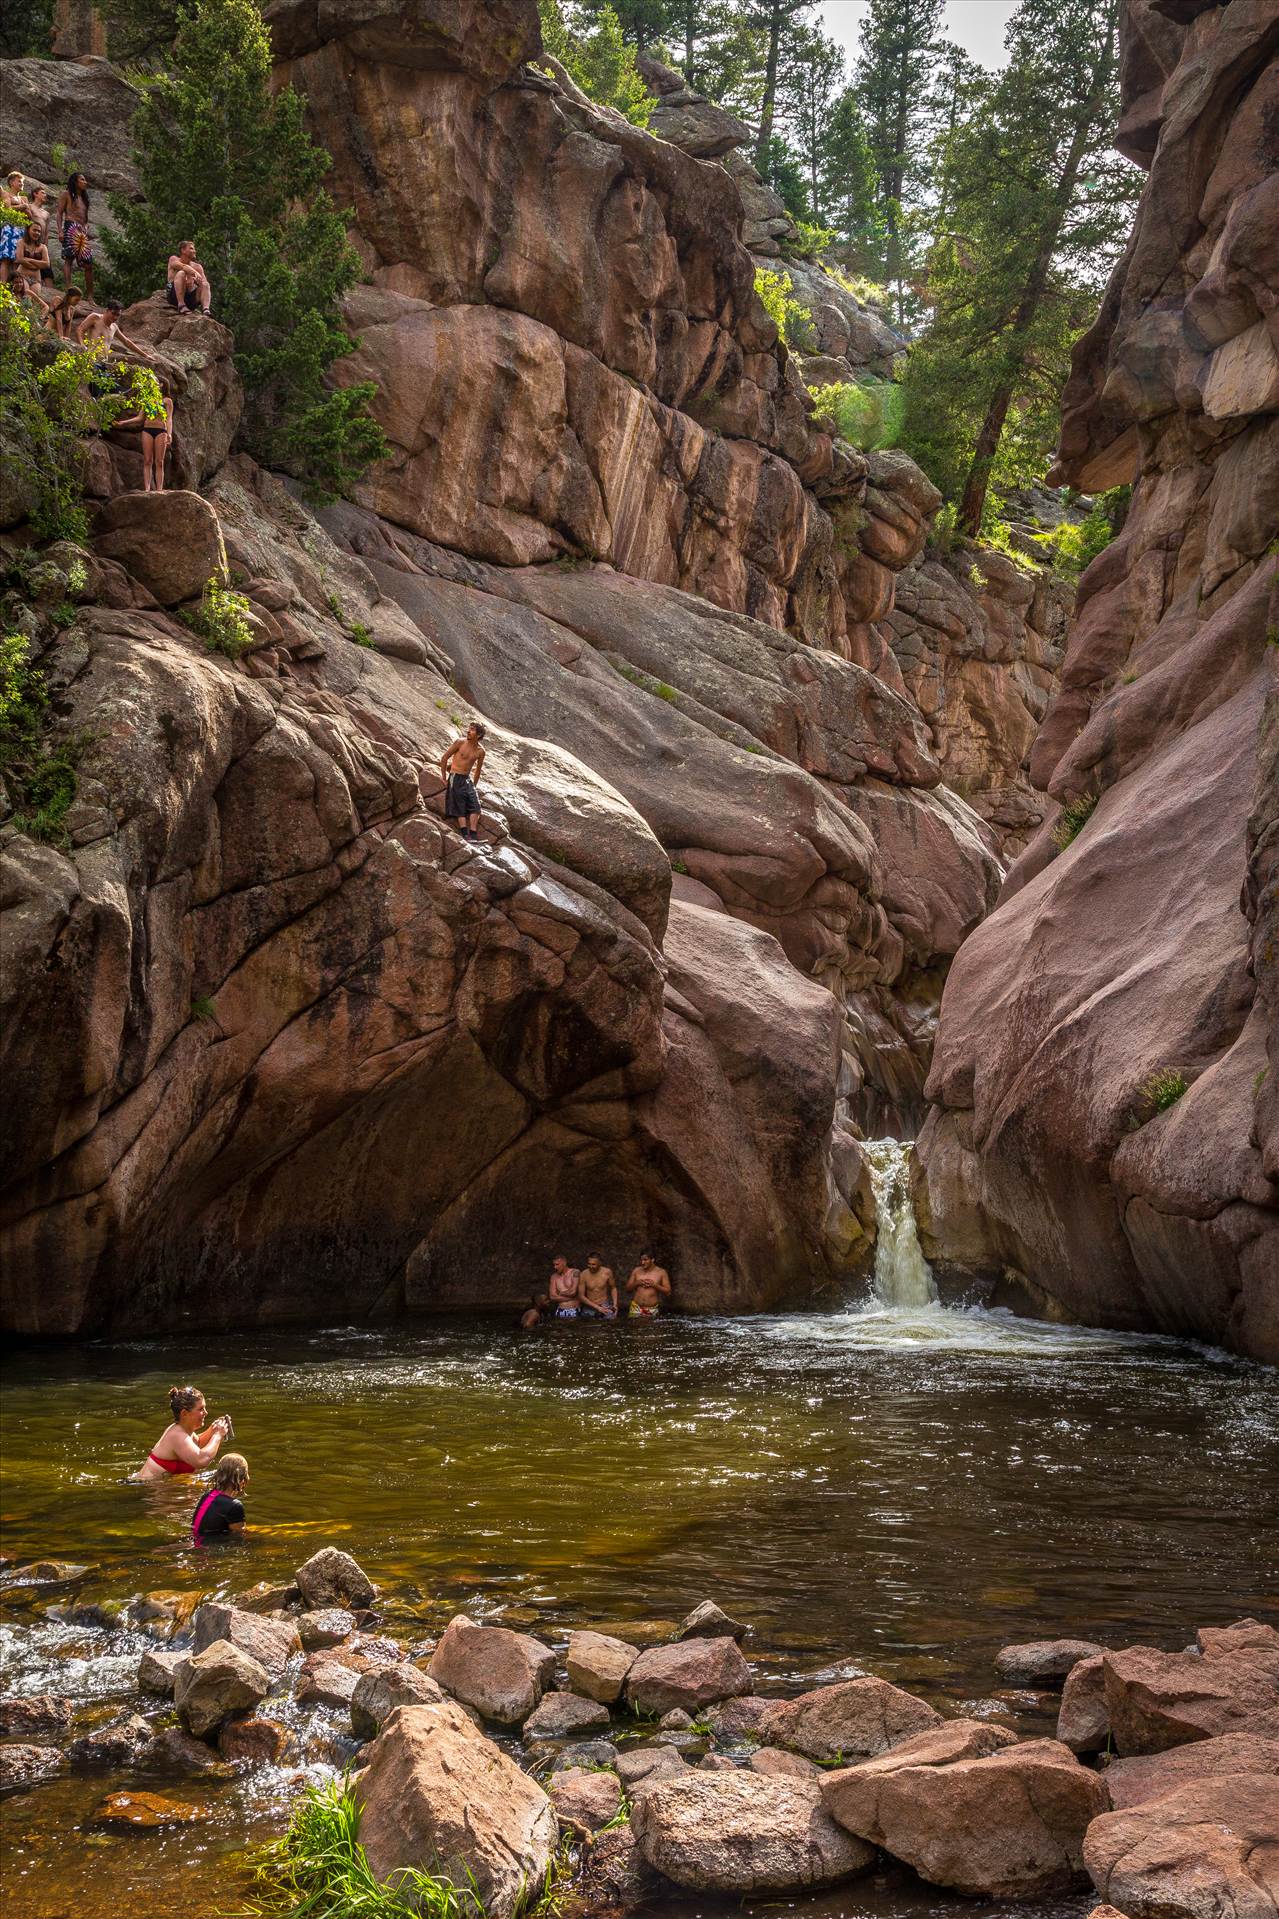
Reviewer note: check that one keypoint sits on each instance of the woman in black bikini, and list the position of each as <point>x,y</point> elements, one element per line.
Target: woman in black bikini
<point>157,438</point>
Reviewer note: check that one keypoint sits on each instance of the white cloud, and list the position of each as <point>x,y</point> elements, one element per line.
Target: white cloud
<point>977,25</point>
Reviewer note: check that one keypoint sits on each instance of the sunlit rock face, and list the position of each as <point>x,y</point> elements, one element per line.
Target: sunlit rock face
<point>1142,958</point>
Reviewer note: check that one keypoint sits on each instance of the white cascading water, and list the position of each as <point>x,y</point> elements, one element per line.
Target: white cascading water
<point>903,1276</point>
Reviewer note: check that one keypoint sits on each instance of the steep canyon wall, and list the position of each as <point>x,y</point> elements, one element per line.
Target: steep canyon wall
<point>1105,1128</point>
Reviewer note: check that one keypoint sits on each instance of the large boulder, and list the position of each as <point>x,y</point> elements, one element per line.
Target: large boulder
<point>331,1577</point>
<point>1131,1782</point>
<point>1157,1699</point>
<point>741,1834</point>
<point>212,1685</point>
<point>853,1720</point>
<point>1009,1825</point>
<point>171,541</point>
<point>272,1642</point>
<point>1210,1850</point>
<point>689,1674</point>
<point>435,1793</point>
<point>501,1673</point>
<point>597,1665</point>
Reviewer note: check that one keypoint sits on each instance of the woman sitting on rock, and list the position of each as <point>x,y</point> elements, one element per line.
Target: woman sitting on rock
<point>60,317</point>
<point>220,1513</point>
<point>182,1447</point>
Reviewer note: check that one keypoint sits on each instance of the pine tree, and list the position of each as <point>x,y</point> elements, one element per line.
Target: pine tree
<point>850,188</point>
<point>589,43</point>
<point>894,79</point>
<point>773,18</point>
<point>808,85</point>
<point>223,162</point>
<point>1036,204</point>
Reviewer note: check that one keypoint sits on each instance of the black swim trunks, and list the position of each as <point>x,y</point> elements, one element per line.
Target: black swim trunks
<point>192,300</point>
<point>460,797</point>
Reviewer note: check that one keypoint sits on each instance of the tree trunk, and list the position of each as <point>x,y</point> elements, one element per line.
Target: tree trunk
<point>775,14</point>
<point>690,40</point>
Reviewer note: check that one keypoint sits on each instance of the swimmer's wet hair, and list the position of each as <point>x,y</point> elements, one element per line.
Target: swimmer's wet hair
<point>183,1398</point>
<point>480,731</point>
<point>231,1472</point>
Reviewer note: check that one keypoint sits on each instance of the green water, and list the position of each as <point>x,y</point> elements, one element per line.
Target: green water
<point>906,1491</point>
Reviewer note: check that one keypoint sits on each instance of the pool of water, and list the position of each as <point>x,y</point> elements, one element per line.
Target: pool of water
<point>905,1490</point>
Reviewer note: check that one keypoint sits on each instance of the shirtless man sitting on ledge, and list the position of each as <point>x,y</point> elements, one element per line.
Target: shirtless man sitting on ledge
<point>648,1285</point>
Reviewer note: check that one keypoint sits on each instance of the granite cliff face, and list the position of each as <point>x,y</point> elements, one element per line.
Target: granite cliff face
<point>1148,945</point>
<point>278,1043</point>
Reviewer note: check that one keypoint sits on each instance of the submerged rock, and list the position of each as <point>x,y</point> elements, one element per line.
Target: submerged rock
<point>145,1812</point>
<point>501,1673</point>
<point>436,1793</point>
<point>740,1834</point>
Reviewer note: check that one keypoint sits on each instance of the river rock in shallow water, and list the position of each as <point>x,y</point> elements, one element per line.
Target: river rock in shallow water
<point>857,1719</point>
<point>23,1766</point>
<point>378,1692</point>
<point>560,1714</point>
<point>689,1674</point>
<point>272,1642</point>
<point>119,1744</point>
<point>436,1793</point>
<point>28,1718</point>
<point>709,1621</point>
<point>1007,1826</point>
<point>501,1673</point>
<point>144,1811</point>
<point>156,1671</point>
<point>597,1664</point>
<point>1043,1662</point>
<point>1208,1849</point>
<point>585,1798</point>
<point>738,1833</point>
<point>327,1627</point>
<point>256,1741</point>
<point>331,1577</point>
<point>210,1686</point>
<point>1083,1723</point>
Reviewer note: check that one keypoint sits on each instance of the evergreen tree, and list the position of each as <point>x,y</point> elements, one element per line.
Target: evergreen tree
<point>850,188</point>
<point>589,43</point>
<point>773,18</point>
<point>1035,206</point>
<point>894,79</point>
<point>223,162</point>
<point>808,85</point>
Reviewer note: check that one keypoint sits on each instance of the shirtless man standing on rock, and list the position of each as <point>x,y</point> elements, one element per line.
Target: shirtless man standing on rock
<point>461,765</point>
<point>563,1288</point>
<point>648,1285</point>
<point>599,1289</point>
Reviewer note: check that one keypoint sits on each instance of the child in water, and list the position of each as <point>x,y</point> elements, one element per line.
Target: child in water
<point>220,1513</point>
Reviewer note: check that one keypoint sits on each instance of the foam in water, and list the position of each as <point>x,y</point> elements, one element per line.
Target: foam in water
<point>903,1276</point>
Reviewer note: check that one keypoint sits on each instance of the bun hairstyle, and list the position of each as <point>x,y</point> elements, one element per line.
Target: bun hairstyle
<point>231,1472</point>
<point>182,1399</point>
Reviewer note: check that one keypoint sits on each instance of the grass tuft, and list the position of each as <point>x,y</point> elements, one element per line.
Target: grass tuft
<point>1075,815</point>
<point>1163,1089</point>
<point>317,1870</point>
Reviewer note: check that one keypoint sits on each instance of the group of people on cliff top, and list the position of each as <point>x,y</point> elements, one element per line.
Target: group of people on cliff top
<point>591,1292</point>
<point>26,268</point>
<point>184,1448</point>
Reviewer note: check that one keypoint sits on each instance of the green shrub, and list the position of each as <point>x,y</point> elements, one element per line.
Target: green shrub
<point>810,240</point>
<point>1074,545</point>
<point>39,777</point>
<point>222,620</point>
<point>361,634</point>
<point>318,1869</point>
<point>944,535</point>
<point>777,297</point>
<point>202,1007</point>
<point>589,44</point>
<point>1162,1090</point>
<point>866,413</point>
<point>867,292</point>
<point>1075,815</point>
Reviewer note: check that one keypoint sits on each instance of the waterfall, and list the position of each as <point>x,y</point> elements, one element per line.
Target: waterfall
<point>903,1276</point>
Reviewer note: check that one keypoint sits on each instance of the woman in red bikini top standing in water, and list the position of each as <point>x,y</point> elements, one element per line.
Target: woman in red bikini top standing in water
<point>182,1447</point>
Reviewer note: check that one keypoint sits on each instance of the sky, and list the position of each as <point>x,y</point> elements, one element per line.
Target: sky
<point>977,25</point>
